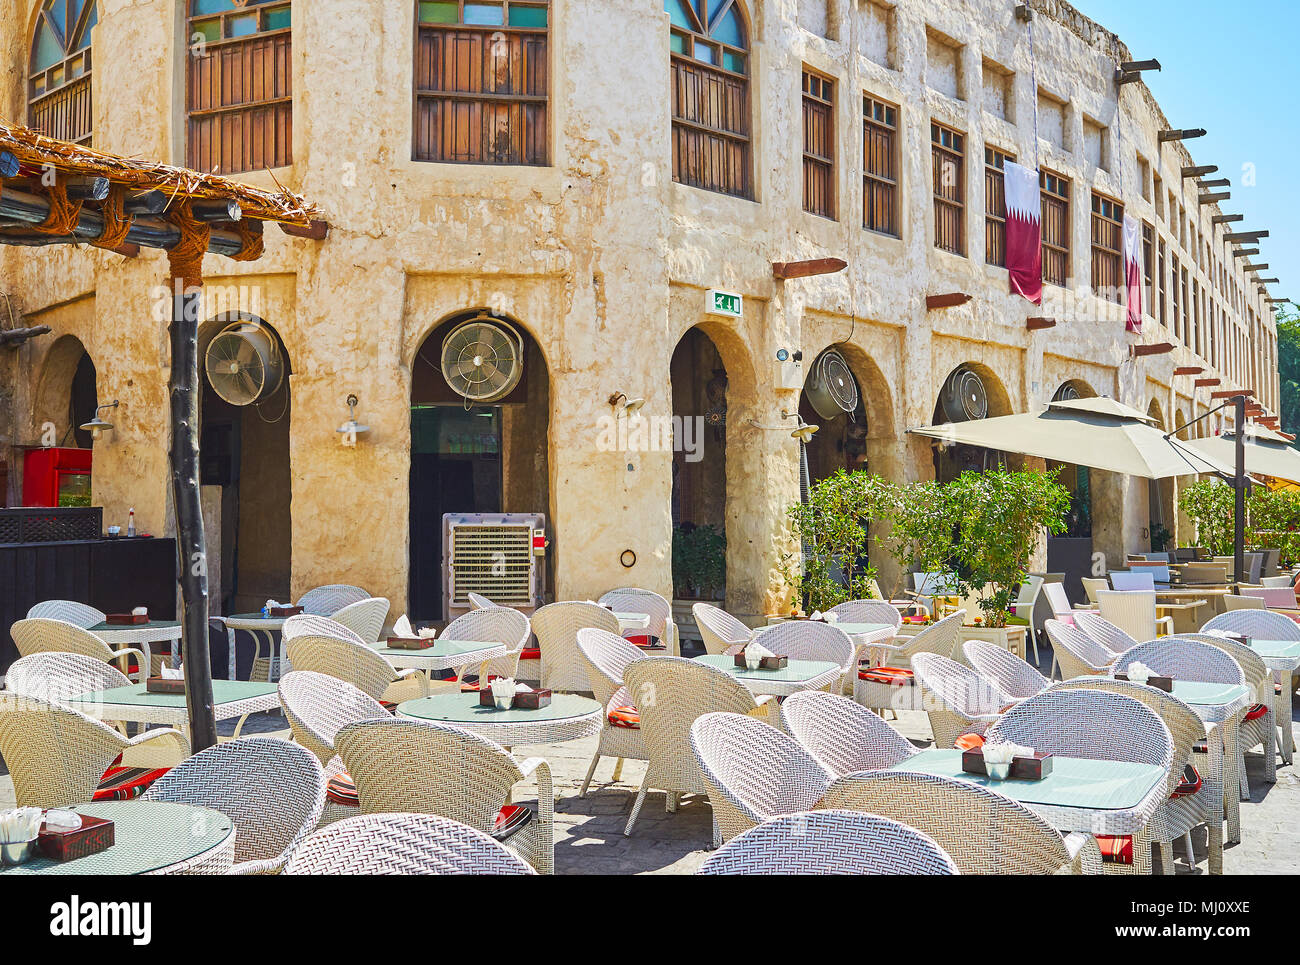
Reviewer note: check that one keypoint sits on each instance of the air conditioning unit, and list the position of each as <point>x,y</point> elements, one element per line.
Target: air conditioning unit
<point>501,556</point>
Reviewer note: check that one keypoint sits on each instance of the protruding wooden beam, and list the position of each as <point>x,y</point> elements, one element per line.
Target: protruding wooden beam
<point>1206,383</point>
<point>1269,281</point>
<point>1277,301</point>
<point>1131,70</point>
<point>227,209</point>
<point>1180,135</point>
<point>87,189</point>
<point>14,337</point>
<point>1244,252</point>
<point>1215,183</point>
<point>1286,435</point>
<point>314,231</point>
<point>1155,348</point>
<point>1232,393</point>
<point>950,300</point>
<point>146,202</point>
<point>1199,170</point>
<point>1251,236</point>
<point>786,270</point>
<point>1263,267</point>
<point>1215,197</point>
<point>1226,218</point>
<point>1035,323</point>
<point>1188,370</point>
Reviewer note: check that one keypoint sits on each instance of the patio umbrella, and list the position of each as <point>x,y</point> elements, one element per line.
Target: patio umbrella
<point>1098,433</point>
<point>1267,453</point>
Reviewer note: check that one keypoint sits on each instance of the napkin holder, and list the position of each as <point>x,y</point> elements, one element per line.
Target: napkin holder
<point>164,685</point>
<point>1160,683</point>
<point>410,643</point>
<point>1022,768</point>
<point>68,844</point>
<point>279,612</point>
<point>774,662</point>
<point>126,619</point>
<point>523,699</point>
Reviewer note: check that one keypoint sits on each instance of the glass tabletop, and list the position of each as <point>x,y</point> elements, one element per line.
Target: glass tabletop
<point>250,617</point>
<point>147,836</point>
<point>1074,782</point>
<point>440,648</point>
<point>466,709</point>
<point>796,671</point>
<point>223,692</point>
<point>151,625</point>
<point>1277,649</point>
<point>1208,694</point>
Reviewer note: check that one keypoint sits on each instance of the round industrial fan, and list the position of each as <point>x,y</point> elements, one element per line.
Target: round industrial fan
<point>964,397</point>
<point>832,390</point>
<point>1066,393</point>
<point>244,363</point>
<point>482,359</point>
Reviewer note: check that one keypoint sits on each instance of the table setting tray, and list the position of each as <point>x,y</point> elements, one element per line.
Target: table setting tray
<point>411,643</point>
<point>59,844</point>
<point>1160,683</point>
<point>284,611</point>
<point>776,662</point>
<point>126,619</point>
<point>1022,768</point>
<point>523,700</point>
<point>164,685</point>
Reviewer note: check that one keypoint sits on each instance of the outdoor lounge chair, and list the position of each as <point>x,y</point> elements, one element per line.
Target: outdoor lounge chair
<point>43,635</point>
<point>309,624</point>
<point>360,665</point>
<point>719,630</point>
<point>890,681</point>
<point>1013,676</point>
<point>556,626</point>
<point>1101,631</point>
<point>69,611</point>
<point>329,599</point>
<point>1258,727</point>
<point>497,624</point>
<point>632,599</point>
<point>56,676</point>
<point>812,640</point>
<point>842,734</point>
<point>956,699</point>
<point>1134,611</point>
<point>317,706</point>
<point>1078,654</point>
<point>606,656</point>
<point>365,617</point>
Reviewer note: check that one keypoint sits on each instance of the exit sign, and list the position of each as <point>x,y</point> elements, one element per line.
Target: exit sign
<point>723,303</point>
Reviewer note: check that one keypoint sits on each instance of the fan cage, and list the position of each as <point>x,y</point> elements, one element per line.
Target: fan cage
<point>239,340</point>
<point>493,343</point>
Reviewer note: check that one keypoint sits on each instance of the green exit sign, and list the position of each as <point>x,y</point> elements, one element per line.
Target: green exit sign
<point>723,303</point>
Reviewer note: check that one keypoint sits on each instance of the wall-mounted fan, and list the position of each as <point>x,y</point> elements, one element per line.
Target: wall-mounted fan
<point>244,363</point>
<point>1066,393</point>
<point>964,397</point>
<point>483,359</point>
<point>831,388</point>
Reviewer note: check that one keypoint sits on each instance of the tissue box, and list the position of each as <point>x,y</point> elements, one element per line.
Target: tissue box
<point>411,643</point>
<point>523,700</point>
<point>1160,683</point>
<point>94,835</point>
<point>126,619</point>
<point>1022,768</point>
<point>767,663</point>
<point>284,611</point>
<point>164,685</point>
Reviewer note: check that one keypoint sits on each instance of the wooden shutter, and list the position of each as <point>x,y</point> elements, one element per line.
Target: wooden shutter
<point>818,145</point>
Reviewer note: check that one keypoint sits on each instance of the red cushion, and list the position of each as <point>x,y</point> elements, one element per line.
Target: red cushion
<point>895,676</point>
<point>531,653</point>
<point>1116,848</point>
<point>125,783</point>
<point>1190,784</point>
<point>1256,712</point>
<point>341,789</point>
<point>968,742</point>
<point>628,717</point>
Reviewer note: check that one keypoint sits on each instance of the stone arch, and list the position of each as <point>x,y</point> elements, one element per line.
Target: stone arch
<point>1080,388</point>
<point>951,461</point>
<point>54,401</point>
<point>1161,494</point>
<point>1155,412</point>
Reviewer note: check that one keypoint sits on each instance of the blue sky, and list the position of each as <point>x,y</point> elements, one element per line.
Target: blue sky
<point>1230,69</point>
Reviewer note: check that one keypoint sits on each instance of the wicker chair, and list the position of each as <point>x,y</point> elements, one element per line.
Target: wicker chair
<point>1134,611</point>
<point>327,600</point>
<point>1013,676</point>
<point>403,844</point>
<point>272,791</point>
<point>1259,726</point>
<point>428,768</point>
<point>812,640</point>
<point>985,833</point>
<point>631,599</point>
<point>493,624</point>
<point>58,756</point>
<point>671,694</point>
<point>1094,725</point>
<point>319,705</point>
<point>1183,811</point>
<point>830,843</point>
<point>365,618</point>
<point>1076,652</point>
<point>1255,623</point>
<point>1101,631</point>
<point>753,772</point>
<point>867,611</point>
<point>68,611</point>
<point>477,601</point>
<point>719,630</point>
<point>606,655</point>
<point>843,735</point>
<point>44,635</point>
<point>310,624</point>
<point>557,626</point>
<point>58,676</point>
<point>876,694</point>
<point>359,665</point>
<point>956,699</point>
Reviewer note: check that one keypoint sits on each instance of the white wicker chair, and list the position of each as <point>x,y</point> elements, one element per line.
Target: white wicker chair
<point>867,611</point>
<point>719,630</point>
<point>403,844</point>
<point>985,833</point>
<point>632,599</point>
<point>940,638</point>
<point>44,635</point>
<point>1002,668</point>
<point>812,640</point>
<point>606,656</point>
<point>327,600</point>
<point>842,734</point>
<point>319,705</point>
<point>365,618</point>
<point>1101,631</point>
<point>272,791</point>
<point>478,601</point>
<point>1076,652</point>
<point>310,624</point>
<point>1262,624</point>
<point>956,699</point>
<point>68,611</point>
<point>429,768</point>
<point>57,676</point>
<point>830,843</point>
<point>671,693</point>
<point>493,624</point>
<point>1259,726</point>
<point>1134,611</point>
<point>359,665</point>
<point>556,626</point>
<point>753,772</point>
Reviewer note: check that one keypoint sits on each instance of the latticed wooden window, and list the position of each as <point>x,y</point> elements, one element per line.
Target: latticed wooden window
<point>710,89</point>
<point>879,166</point>
<point>948,158</point>
<point>995,206</point>
<point>1148,266</point>
<point>482,82</point>
<point>240,85</point>
<point>1107,248</point>
<point>1162,284</point>
<point>58,78</point>
<point>1176,318</point>
<point>1054,219</point>
<point>818,145</point>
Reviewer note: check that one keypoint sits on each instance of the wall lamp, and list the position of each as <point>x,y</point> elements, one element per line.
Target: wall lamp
<point>630,406</point>
<point>97,426</point>
<point>351,429</point>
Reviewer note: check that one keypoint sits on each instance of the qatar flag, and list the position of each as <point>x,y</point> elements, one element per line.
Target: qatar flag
<point>1133,273</point>
<point>1024,234</point>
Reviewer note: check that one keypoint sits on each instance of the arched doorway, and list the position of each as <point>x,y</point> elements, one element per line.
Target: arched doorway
<point>244,468</point>
<point>970,391</point>
<point>58,472</point>
<point>470,457</point>
<point>1160,496</point>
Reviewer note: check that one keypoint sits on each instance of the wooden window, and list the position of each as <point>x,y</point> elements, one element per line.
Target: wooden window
<point>1162,296</point>
<point>880,166</point>
<point>1107,249</point>
<point>58,77</point>
<point>995,206</point>
<point>710,96</point>
<point>818,145</point>
<point>1176,318</point>
<point>1188,334</point>
<point>240,85</point>
<point>1055,225</point>
<point>482,82</point>
<point>948,159</point>
<point>1148,267</point>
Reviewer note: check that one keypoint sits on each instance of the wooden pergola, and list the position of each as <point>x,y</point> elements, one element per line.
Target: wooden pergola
<point>58,193</point>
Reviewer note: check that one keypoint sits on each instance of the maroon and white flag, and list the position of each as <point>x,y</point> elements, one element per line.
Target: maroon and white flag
<point>1133,273</point>
<point>1024,231</point>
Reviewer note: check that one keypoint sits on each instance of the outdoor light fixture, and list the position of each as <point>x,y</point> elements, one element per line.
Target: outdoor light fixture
<point>630,406</point>
<point>97,426</point>
<point>351,429</point>
<point>803,431</point>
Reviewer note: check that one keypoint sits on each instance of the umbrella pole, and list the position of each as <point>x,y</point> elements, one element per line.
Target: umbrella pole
<point>1239,484</point>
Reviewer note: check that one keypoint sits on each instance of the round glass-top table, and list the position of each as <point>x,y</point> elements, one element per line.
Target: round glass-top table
<point>798,675</point>
<point>142,635</point>
<point>149,837</point>
<point>567,717</point>
<point>261,627</point>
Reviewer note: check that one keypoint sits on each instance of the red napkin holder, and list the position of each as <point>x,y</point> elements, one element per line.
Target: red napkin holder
<point>410,643</point>
<point>284,611</point>
<point>1160,683</point>
<point>59,844</point>
<point>164,685</point>
<point>1022,768</point>
<point>126,619</point>
<point>767,663</point>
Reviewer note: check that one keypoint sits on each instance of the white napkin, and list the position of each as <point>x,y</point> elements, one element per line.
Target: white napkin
<point>402,627</point>
<point>140,611</point>
<point>1004,753</point>
<point>272,605</point>
<point>427,633</point>
<point>64,820</point>
<point>20,824</point>
<point>169,674</point>
<point>815,615</point>
<point>756,651</point>
<point>502,687</point>
<point>1139,673</point>
<point>832,618</point>
<point>523,689</point>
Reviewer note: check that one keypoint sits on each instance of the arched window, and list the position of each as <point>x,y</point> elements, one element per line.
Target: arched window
<point>58,88</point>
<point>240,85</point>
<point>482,82</point>
<point>710,76</point>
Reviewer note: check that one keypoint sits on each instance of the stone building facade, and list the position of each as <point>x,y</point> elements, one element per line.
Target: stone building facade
<point>564,200</point>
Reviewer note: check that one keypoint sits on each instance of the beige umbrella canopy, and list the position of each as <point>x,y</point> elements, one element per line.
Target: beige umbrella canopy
<point>1098,433</point>
<point>1267,453</point>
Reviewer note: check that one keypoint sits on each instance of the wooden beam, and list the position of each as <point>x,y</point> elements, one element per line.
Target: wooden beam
<point>1179,135</point>
<point>806,269</point>
<point>1268,281</point>
<point>146,202</point>
<point>1232,393</point>
<point>1188,370</point>
<point>227,209</point>
<point>950,300</point>
<point>87,189</point>
<point>1035,323</point>
<point>1155,348</point>
<point>1244,252</point>
<point>315,231</point>
<point>1206,383</point>
<point>1199,170</point>
<point>1263,267</point>
<point>1214,198</point>
<point>1216,183</point>
<point>1225,218</point>
<point>1251,236</point>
